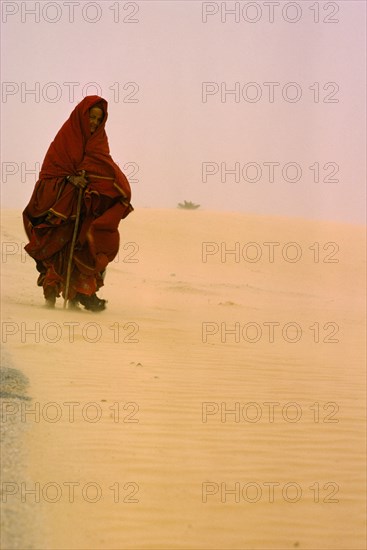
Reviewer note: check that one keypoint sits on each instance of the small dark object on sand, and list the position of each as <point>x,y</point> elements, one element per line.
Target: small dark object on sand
<point>188,205</point>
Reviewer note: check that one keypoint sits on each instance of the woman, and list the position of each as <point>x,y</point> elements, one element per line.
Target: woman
<point>77,161</point>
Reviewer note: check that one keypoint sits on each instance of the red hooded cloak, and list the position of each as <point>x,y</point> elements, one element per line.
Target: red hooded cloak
<point>49,217</point>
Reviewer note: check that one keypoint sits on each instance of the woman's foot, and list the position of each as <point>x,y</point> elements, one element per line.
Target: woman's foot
<point>93,303</point>
<point>50,297</point>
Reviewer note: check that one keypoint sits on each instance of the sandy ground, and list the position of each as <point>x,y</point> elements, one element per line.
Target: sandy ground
<point>218,403</point>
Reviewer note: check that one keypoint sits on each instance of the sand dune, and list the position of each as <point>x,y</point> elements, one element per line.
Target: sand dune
<point>218,403</point>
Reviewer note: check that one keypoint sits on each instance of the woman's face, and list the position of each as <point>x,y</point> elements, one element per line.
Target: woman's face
<point>95,118</point>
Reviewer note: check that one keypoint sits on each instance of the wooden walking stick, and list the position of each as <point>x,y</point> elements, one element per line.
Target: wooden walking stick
<point>68,273</point>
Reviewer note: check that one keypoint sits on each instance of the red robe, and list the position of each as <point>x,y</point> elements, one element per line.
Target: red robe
<point>49,218</point>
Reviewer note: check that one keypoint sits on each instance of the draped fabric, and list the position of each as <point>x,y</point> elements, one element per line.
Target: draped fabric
<point>49,218</point>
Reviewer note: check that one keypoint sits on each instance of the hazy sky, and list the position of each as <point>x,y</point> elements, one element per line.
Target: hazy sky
<point>289,140</point>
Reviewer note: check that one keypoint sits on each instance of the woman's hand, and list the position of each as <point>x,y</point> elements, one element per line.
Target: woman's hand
<point>79,181</point>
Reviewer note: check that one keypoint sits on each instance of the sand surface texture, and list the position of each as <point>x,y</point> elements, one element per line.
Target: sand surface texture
<point>218,402</point>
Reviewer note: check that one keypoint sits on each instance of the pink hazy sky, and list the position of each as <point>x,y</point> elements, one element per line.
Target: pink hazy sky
<point>165,68</point>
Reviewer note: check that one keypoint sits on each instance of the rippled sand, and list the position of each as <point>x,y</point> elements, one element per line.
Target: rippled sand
<point>176,419</point>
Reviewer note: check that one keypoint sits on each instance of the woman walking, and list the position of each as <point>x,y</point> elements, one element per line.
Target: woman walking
<point>73,215</point>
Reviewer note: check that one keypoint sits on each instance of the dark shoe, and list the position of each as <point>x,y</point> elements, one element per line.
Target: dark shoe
<point>93,303</point>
